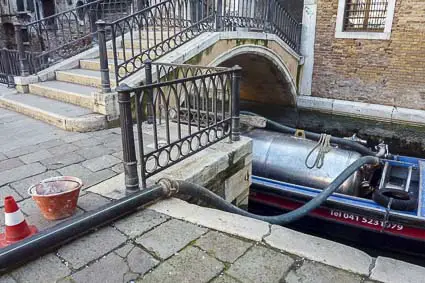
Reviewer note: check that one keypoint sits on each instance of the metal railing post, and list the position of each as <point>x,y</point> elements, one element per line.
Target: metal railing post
<point>93,19</point>
<point>148,81</point>
<point>269,16</point>
<point>103,57</point>
<point>127,135</point>
<point>236,80</point>
<point>19,37</point>
<point>219,15</point>
<point>8,69</point>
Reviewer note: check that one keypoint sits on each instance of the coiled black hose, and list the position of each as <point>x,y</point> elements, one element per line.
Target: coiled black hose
<point>282,219</point>
<point>273,125</point>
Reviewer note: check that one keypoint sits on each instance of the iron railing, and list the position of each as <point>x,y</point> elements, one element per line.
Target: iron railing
<point>68,33</point>
<point>149,33</point>
<point>188,109</point>
<point>152,32</point>
<point>261,15</point>
<point>10,67</point>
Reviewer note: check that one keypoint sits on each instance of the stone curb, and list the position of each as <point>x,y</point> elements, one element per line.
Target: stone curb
<point>313,248</point>
<point>389,114</point>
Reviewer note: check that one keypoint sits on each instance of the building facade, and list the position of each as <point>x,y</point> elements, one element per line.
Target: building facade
<point>370,51</point>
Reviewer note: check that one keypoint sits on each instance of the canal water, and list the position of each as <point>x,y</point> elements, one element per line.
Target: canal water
<point>401,139</point>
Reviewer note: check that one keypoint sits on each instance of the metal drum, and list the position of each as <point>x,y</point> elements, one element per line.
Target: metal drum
<point>282,157</point>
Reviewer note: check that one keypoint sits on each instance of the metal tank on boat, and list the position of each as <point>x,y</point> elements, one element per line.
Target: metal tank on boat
<point>282,157</point>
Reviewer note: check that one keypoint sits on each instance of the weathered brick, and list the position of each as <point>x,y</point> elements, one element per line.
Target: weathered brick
<point>388,72</point>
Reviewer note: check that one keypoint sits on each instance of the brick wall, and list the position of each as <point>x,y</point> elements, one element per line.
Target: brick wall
<point>390,72</point>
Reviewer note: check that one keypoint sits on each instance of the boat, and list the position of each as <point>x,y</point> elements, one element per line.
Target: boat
<point>381,205</point>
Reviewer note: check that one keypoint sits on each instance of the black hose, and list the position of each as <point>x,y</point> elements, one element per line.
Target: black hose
<point>216,201</point>
<point>49,239</point>
<point>273,125</point>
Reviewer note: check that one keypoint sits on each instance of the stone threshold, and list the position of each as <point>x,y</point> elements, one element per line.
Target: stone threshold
<point>385,113</point>
<point>289,241</point>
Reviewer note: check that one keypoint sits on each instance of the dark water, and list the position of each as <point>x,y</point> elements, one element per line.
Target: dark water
<point>401,139</point>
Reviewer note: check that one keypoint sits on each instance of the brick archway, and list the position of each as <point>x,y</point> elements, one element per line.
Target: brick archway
<point>263,70</point>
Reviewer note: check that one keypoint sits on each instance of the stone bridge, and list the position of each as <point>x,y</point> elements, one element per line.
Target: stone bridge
<point>72,96</point>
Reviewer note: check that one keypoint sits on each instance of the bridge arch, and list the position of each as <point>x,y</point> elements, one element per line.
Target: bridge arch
<point>255,60</point>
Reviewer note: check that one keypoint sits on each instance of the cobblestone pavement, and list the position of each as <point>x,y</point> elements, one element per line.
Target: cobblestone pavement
<point>31,151</point>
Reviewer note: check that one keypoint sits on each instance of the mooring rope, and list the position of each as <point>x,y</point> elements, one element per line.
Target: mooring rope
<point>324,146</point>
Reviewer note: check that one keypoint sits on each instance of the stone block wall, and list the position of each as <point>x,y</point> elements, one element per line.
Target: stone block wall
<point>389,72</point>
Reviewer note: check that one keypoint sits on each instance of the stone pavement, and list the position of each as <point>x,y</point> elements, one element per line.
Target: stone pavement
<point>173,241</point>
<point>31,151</point>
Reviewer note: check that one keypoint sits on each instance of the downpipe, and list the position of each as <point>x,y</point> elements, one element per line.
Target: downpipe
<point>50,239</point>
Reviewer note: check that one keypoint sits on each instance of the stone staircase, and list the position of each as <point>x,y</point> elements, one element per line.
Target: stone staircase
<point>68,100</point>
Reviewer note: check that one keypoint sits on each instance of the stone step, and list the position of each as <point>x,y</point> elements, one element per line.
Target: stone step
<point>94,64</point>
<point>83,77</point>
<point>63,115</point>
<point>66,92</point>
<point>129,54</point>
<point>144,44</point>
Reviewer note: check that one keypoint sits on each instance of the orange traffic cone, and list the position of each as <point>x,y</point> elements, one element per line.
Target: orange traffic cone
<point>16,227</point>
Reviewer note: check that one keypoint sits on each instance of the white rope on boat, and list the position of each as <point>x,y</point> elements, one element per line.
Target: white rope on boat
<point>324,146</point>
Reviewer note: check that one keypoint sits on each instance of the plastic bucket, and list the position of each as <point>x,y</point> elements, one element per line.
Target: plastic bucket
<point>56,197</point>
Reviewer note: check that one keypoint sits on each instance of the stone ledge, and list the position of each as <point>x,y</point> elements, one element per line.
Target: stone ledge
<point>319,250</point>
<point>392,270</point>
<point>212,218</point>
<point>292,242</point>
<point>390,114</point>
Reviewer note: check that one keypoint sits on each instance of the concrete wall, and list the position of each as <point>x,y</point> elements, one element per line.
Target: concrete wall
<point>389,72</point>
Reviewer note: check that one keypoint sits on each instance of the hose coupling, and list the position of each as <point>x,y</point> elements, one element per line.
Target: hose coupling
<point>170,187</point>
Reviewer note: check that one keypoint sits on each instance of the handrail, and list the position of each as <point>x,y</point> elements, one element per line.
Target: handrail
<point>200,106</point>
<point>148,33</point>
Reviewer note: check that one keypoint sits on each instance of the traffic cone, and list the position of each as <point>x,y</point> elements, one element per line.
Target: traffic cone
<point>16,227</point>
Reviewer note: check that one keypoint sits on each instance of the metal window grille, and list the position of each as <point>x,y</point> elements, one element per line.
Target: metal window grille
<point>365,15</point>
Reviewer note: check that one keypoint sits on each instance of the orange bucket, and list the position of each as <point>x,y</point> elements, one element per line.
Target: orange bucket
<point>57,197</point>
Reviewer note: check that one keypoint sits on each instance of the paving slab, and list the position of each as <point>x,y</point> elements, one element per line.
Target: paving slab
<point>191,265</point>
<point>222,247</point>
<point>138,223</point>
<point>101,162</point>
<point>124,250</point>
<point>392,270</point>
<point>260,264</point>
<point>8,191</point>
<point>162,240</point>
<point>22,186</point>
<point>88,142</point>
<point>10,164</point>
<point>111,268</point>
<point>88,177</point>
<point>91,247</point>
<point>91,201</point>
<point>20,173</point>
<point>95,151</point>
<point>7,279</point>
<point>224,278</point>
<point>313,272</point>
<point>63,148</point>
<point>48,268</point>
<point>140,261</point>
<point>62,160</point>
<point>320,250</point>
<point>36,156</point>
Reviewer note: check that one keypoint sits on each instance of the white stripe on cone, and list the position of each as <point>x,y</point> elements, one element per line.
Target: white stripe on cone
<point>14,218</point>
